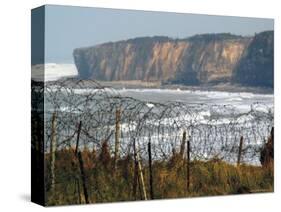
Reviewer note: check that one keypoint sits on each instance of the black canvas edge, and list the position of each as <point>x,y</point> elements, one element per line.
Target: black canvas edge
<point>37,104</point>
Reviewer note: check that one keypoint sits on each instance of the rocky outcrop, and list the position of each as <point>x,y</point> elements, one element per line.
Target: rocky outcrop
<point>255,67</point>
<point>201,59</point>
<point>210,58</point>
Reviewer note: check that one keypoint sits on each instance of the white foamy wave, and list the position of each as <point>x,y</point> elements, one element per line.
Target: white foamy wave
<point>246,95</point>
<point>154,90</point>
<point>150,105</point>
<point>52,71</point>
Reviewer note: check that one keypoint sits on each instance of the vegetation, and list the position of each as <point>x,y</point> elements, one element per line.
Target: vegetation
<point>104,183</point>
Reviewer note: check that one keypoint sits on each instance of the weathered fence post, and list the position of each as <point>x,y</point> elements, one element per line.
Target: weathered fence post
<point>188,165</point>
<point>78,190</point>
<point>240,150</point>
<point>150,170</point>
<point>81,164</point>
<point>53,147</point>
<point>183,144</point>
<point>141,177</point>
<point>138,171</point>
<point>117,136</point>
<point>83,177</point>
<point>78,137</point>
<point>135,170</point>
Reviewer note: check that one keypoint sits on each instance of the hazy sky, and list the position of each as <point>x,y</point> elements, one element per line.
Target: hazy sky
<point>71,27</point>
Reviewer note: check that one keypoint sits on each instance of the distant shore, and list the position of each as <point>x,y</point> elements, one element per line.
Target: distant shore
<point>138,84</point>
<point>226,87</point>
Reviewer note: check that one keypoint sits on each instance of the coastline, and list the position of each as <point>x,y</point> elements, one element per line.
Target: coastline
<point>224,87</point>
<point>137,84</point>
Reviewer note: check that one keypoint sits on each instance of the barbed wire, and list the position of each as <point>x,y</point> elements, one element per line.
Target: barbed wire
<point>214,131</point>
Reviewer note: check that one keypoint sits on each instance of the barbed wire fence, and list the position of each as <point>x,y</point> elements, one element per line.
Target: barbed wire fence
<point>87,114</point>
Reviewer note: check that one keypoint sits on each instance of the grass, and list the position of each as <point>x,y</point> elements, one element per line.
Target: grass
<point>170,179</point>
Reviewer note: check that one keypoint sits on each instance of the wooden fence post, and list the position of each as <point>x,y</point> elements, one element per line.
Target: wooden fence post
<point>117,136</point>
<point>135,170</point>
<point>240,151</point>
<point>81,164</point>
<point>138,171</point>
<point>183,144</point>
<point>53,147</point>
<point>150,170</point>
<point>188,166</point>
<point>78,137</point>
<point>78,190</point>
<point>83,177</point>
<point>141,177</point>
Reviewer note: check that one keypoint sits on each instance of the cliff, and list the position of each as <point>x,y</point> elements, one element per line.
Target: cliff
<point>201,59</point>
<point>256,65</point>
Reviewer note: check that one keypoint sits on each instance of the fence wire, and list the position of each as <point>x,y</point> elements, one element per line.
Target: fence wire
<point>213,131</point>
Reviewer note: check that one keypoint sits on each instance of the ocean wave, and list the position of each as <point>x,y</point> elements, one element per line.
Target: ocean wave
<point>52,71</point>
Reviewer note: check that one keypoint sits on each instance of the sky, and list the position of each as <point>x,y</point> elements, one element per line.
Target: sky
<point>67,28</point>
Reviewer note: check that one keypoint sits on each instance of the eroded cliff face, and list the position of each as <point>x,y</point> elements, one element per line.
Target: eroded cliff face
<point>256,67</point>
<point>201,59</point>
<point>210,59</point>
<point>149,59</point>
